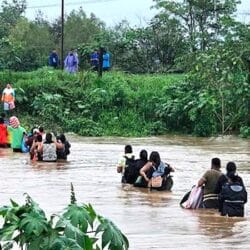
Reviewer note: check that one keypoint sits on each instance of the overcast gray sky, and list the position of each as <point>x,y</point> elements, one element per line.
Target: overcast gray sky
<point>137,12</point>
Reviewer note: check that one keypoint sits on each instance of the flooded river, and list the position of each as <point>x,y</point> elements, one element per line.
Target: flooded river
<point>151,220</point>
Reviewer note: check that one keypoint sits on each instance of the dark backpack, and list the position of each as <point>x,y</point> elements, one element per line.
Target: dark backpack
<point>233,197</point>
<point>67,146</point>
<point>130,173</point>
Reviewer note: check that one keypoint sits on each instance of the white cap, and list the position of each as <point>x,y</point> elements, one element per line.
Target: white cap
<point>35,130</point>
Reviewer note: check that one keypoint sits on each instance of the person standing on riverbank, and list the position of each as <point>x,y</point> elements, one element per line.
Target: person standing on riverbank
<point>71,62</point>
<point>94,60</point>
<point>54,59</point>
<point>209,181</point>
<point>106,61</point>
<point>8,98</point>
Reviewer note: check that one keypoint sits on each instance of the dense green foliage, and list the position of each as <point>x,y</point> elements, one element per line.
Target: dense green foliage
<point>177,31</point>
<point>200,20</point>
<point>78,228</point>
<point>132,105</point>
<point>25,45</point>
<point>198,37</point>
<point>116,104</point>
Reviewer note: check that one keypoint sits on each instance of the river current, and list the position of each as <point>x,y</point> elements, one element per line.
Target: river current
<point>150,220</point>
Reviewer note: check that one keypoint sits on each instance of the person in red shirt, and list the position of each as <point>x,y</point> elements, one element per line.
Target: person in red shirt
<point>3,134</point>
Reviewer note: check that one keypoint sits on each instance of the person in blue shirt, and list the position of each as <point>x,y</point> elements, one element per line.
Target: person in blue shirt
<point>106,61</point>
<point>54,59</point>
<point>94,60</point>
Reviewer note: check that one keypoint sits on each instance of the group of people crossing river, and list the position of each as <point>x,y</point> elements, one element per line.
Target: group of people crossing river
<point>144,172</point>
<point>40,145</point>
<point>224,192</point>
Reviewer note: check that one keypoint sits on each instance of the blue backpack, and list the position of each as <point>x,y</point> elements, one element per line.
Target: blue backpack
<point>24,147</point>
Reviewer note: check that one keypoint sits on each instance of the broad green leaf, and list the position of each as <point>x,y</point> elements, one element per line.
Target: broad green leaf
<point>33,223</point>
<point>79,216</point>
<point>36,244</point>
<point>89,242</point>
<point>91,211</point>
<point>51,236</point>
<point>13,203</point>
<point>7,246</point>
<point>111,235</point>
<point>70,230</point>
<point>7,232</point>
<point>4,210</point>
<point>81,106</point>
<point>63,243</point>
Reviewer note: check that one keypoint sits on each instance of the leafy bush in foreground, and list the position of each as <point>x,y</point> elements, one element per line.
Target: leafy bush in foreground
<point>78,228</point>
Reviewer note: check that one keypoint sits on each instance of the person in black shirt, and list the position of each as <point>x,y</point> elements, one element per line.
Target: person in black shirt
<point>233,196</point>
<point>223,179</point>
<point>54,59</point>
<point>139,164</point>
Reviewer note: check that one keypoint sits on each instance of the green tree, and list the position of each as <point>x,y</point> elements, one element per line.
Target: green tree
<point>200,19</point>
<point>10,14</point>
<point>27,46</point>
<point>80,29</point>
<point>215,96</point>
<point>139,50</point>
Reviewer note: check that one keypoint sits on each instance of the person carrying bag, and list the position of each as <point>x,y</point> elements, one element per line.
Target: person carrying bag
<point>156,173</point>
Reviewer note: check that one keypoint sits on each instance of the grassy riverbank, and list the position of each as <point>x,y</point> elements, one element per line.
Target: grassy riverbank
<point>118,104</point>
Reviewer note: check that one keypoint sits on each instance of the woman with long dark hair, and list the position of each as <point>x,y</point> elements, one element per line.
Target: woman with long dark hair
<point>156,171</point>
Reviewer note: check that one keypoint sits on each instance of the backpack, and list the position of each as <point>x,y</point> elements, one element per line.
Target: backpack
<point>64,152</point>
<point>67,146</point>
<point>233,197</point>
<point>130,173</point>
<point>24,147</point>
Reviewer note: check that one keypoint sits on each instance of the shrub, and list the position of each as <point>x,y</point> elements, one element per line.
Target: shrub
<point>78,228</point>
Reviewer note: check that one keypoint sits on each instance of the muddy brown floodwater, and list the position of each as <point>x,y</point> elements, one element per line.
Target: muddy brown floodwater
<point>151,220</point>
